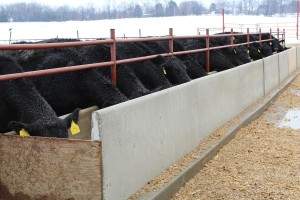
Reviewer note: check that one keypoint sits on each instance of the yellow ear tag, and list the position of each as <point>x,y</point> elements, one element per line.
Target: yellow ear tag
<point>74,128</point>
<point>24,133</point>
<point>258,50</point>
<point>234,51</point>
<point>248,51</point>
<point>270,43</point>
<point>165,72</point>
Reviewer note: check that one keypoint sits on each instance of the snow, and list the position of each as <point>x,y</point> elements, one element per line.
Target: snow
<point>183,26</point>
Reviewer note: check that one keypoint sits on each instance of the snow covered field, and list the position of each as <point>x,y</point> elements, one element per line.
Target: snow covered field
<point>186,25</point>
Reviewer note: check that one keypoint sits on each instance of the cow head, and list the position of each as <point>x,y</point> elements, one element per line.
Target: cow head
<point>45,127</point>
<point>173,68</point>
<point>194,69</point>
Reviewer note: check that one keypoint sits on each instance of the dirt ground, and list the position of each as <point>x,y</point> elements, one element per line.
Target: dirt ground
<point>261,162</point>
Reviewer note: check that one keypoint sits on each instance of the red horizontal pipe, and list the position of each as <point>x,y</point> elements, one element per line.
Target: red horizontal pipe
<point>124,61</point>
<point>143,39</point>
<point>103,64</point>
<point>53,71</point>
<point>52,45</point>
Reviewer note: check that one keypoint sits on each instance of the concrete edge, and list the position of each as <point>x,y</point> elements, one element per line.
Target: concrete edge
<point>84,117</point>
<point>171,188</point>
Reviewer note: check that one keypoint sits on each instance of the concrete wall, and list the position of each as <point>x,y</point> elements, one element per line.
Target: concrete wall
<point>292,59</point>
<point>283,62</point>
<point>142,137</point>
<point>298,56</point>
<point>148,134</point>
<point>271,72</point>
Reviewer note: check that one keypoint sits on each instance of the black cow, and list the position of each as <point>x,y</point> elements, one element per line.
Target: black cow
<point>242,54</point>
<point>274,43</point>
<point>236,55</point>
<point>266,50</point>
<point>259,50</point>
<point>254,48</point>
<point>128,81</point>
<point>218,61</point>
<point>173,69</point>
<point>193,68</point>
<point>150,74</point>
<point>23,109</point>
<point>66,91</point>
<point>255,52</point>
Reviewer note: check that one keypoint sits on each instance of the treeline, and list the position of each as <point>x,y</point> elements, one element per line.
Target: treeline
<point>258,7</point>
<point>24,12</point>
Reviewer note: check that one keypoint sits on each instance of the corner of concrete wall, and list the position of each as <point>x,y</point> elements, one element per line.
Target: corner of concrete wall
<point>283,65</point>
<point>298,56</point>
<point>292,59</point>
<point>271,72</point>
<point>84,123</point>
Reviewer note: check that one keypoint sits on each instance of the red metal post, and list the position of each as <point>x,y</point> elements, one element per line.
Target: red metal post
<point>297,24</point>
<point>223,19</point>
<point>207,51</point>
<point>113,57</point>
<point>248,38</point>
<point>171,46</point>
<point>231,37</point>
<point>198,31</point>
<point>260,36</point>
<point>283,38</point>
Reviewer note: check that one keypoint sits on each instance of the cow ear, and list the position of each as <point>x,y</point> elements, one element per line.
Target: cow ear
<point>72,117</point>
<point>71,63</point>
<point>158,60</point>
<point>187,63</point>
<point>17,126</point>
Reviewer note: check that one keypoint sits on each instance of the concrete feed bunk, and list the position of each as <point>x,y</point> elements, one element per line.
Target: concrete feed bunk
<point>135,141</point>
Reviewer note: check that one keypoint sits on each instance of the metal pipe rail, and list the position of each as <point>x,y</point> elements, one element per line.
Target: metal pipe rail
<point>53,45</point>
<point>114,62</point>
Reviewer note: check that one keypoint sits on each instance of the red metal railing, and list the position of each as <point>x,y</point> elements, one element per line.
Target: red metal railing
<point>297,23</point>
<point>114,62</point>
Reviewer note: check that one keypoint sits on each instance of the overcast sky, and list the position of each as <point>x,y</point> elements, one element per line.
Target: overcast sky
<point>77,3</point>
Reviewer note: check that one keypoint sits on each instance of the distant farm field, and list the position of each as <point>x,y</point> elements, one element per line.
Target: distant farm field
<point>187,25</point>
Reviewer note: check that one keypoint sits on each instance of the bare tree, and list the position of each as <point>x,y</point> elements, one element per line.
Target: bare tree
<point>191,8</point>
<point>172,9</point>
<point>283,6</point>
<point>159,10</point>
<point>138,12</point>
<point>4,16</point>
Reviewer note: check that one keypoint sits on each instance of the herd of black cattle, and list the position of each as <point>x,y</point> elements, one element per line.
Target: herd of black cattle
<point>33,104</point>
